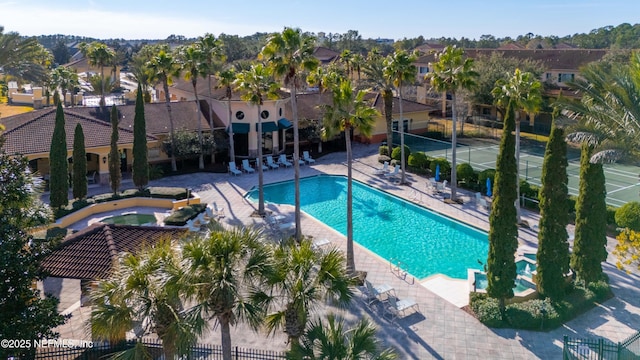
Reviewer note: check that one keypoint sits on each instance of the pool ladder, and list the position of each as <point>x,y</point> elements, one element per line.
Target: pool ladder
<point>395,266</point>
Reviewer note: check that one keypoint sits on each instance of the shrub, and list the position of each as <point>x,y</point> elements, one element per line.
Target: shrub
<point>482,179</point>
<point>155,172</point>
<point>465,172</point>
<point>184,214</point>
<point>176,193</point>
<point>611,215</point>
<point>395,154</point>
<point>445,167</point>
<point>383,158</point>
<point>628,216</point>
<point>383,150</point>
<point>418,160</point>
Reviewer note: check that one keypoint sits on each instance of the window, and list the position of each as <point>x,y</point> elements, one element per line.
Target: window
<point>565,77</point>
<point>548,76</point>
<point>264,114</point>
<point>280,112</point>
<point>423,69</point>
<point>239,115</point>
<point>405,125</point>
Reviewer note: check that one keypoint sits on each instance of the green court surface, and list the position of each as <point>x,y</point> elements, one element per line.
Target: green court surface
<point>623,183</point>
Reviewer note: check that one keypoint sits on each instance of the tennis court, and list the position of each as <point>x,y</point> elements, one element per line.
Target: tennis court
<point>622,181</point>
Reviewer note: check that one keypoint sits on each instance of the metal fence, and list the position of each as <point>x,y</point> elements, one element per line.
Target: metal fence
<point>100,351</point>
<point>600,349</point>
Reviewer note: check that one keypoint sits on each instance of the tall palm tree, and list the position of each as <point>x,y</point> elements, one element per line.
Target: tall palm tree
<point>377,80</point>
<point>164,68</point>
<point>346,57</point>
<point>145,291</point>
<point>304,278</point>
<point>140,69</point>
<point>192,59</point>
<point>213,52</point>
<point>290,54</point>
<point>525,93</point>
<point>400,69</point>
<point>225,80</point>
<point>20,57</point>
<point>452,72</point>
<point>98,54</point>
<point>348,112</point>
<point>65,79</point>
<point>224,269</point>
<point>357,63</point>
<point>256,84</point>
<point>609,110</point>
<point>334,341</point>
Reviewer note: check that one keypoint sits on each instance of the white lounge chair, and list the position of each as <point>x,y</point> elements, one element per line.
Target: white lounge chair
<point>91,179</point>
<point>376,293</point>
<point>271,163</point>
<point>282,160</point>
<point>233,169</point>
<point>483,203</point>
<point>192,226</point>
<point>384,170</point>
<point>307,157</point>
<point>401,306</point>
<point>219,211</point>
<point>319,243</point>
<point>264,167</point>
<point>394,173</point>
<point>246,167</point>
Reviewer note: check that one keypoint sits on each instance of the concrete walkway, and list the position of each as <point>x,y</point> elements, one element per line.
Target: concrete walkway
<point>440,330</point>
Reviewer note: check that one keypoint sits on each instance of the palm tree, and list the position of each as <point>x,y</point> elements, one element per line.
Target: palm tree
<point>304,278</point>
<point>400,69</point>
<point>213,52</point>
<point>145,290</point>
<point>20,56</point>
<point>256,84</point>
<point>609,110</point>
<point>348,112</point>
<point>140,69</point>
<point>99,54</point>
<point>289,54</point>
<point>346,57</point>
<point>224,269</point>
<point>357,63</point>
<point>451,73</point>
<point>334,341</point>
<point>225,80</point>
<point>192,61</point>
<point>525,92</point>
<point>65,79</point>
<point>164,68</point>
<point>376,78</point>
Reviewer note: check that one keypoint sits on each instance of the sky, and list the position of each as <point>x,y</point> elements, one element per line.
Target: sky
<point>394,19</point>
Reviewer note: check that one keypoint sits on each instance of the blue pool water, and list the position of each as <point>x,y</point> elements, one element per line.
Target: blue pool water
<point>425,242</point>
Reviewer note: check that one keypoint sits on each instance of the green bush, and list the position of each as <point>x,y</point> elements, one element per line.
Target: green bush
<point>155,172</point>
<point>419,160</point>
<point>383,150</point>
<point>176,193</point>
<point>184,214</point>
<point>395,154</point>
<point>628,216</point>
<point>445,168</point>
<point>611,215</point>
<point>465,172</point>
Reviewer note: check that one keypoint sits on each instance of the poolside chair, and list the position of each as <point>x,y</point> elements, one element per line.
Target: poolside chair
<point>246,167</point>
<point>384,170</point>
<point>218,210</point>
<point>271,163</point>
<point>401,306</point>
<point>394,173</point>
<point>375,293</point>
<point>307,157</point>
<point>192,226</point>
<point>483,203</point>
<point>264,167</point>
<point>91,179</point>
<point>282,160</point>
<point>319,243</point>
<point>233,169</point>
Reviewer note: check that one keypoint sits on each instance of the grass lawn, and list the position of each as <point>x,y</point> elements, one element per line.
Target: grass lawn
<point>7,110</point>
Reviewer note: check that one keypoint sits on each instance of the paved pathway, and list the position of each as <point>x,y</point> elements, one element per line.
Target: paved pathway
<point>441,329</point>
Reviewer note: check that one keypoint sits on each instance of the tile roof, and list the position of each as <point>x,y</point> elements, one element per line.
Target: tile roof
<point>551,59</point>
<point>325,55</point>
<point>90,253</point>
<point>31,133</point>
<point>308,104</point>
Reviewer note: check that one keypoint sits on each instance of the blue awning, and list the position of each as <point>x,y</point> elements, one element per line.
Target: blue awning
<point>268,126</point>
<point>284,123</point>
<point>240,128</point>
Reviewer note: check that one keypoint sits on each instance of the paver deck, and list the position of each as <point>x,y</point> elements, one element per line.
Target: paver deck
<point>441,330</point>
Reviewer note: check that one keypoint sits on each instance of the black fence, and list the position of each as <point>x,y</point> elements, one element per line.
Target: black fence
<point>101,351</point>
<point>600,349</point>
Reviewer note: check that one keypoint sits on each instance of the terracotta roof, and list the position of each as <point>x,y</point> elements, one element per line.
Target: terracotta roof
<point>325,55</point>
<point>308,105</point>
<point>90,253</point>
<point>31,133</point>
<point>183,88</point>
<point>556,59</point>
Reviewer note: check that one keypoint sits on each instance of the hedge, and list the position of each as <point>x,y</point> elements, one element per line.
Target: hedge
<point>465,173</point>
<point>628,216</point>
<point>395,154</point>
<point>419,160</point>
<point>184,214</point>
<point>445,167</point>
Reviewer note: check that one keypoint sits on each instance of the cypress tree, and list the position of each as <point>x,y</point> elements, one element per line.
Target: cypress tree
<point>553,247</point>
<point>140,166</point>
<point>58,165</point>
<point>114,156</point>
<point>79,164</point>
<point>503,227</point>
<point>589,247</point>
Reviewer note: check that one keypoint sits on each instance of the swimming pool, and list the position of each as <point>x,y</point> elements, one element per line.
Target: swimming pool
<point>130,219</point>
<point>425,242</point>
